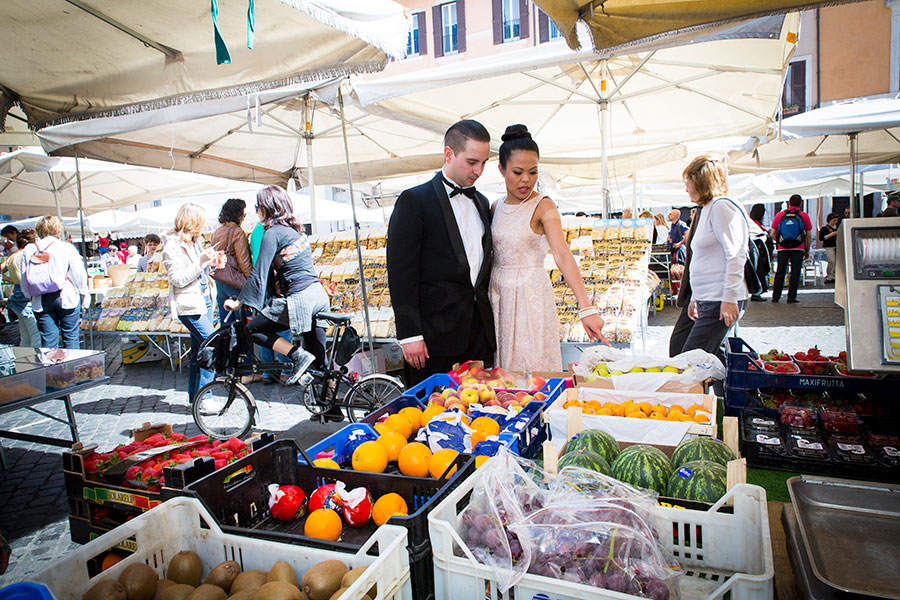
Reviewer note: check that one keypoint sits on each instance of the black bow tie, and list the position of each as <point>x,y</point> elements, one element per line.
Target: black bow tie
<point>455,189</point>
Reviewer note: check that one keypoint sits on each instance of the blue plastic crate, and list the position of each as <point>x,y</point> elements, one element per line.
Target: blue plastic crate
<point>392,407</point>
<point>336,442</point>
<point>26,591</point>
<point>527,443</point>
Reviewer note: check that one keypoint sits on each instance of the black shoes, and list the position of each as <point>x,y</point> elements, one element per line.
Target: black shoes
<point>757,299</point>
<point>793,301</point>
<point>775,299</point>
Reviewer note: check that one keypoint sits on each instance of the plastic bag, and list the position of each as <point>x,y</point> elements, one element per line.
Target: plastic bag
<point>694,367</point>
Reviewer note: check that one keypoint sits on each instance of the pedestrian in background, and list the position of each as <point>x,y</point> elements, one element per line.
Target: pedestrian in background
<point>828,238</point>
<point>19,303</point>
<point>676,236</point>
<point>54,277</point>
<point>231,239</point>
<point>764,247</point>
<point>791,230</point>
<point>151,244</point>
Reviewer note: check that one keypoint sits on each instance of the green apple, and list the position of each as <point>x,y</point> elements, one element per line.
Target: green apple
<point>617,373</point>
<point>636,370</point>
<point>652,370</point>
<point>670,369</point>
<point>602,370</point>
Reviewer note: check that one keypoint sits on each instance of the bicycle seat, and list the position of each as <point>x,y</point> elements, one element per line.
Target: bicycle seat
<point>336,318</point>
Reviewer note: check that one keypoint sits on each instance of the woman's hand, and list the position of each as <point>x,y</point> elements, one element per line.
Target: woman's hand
<point>232,304</point>
<point>693,313</point>
<point>593,325</point>
<point>729,312</point>
<point>207,255</point>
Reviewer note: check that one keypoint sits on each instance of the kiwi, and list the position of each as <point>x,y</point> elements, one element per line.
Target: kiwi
<point>338,593</point>
<point>223,574</point>
<point>139,581</point>
<point>108,589</point>
<point>185,567</point>
<point>176,591</point>
<point>282,571</point>
<point>242,595</point>
<point>160,586</point>
<point>248,580</point>
<point>323,579</point>
<point>278,590</point>
<point>207,591</point>
<point>354,574</point>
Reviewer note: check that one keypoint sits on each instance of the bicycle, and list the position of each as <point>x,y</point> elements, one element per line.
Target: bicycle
<point>226,408</point>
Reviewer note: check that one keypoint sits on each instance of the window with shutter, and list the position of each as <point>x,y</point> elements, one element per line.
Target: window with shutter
<point>511,20</point>
<point>449,28</point>
<point>413,37</point>
<point>793,100</point>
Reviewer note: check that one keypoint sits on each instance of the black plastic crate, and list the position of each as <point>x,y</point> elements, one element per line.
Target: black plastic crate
<point>237,497</point>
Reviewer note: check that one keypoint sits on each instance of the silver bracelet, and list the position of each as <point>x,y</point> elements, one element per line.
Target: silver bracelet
<point>587,312</point>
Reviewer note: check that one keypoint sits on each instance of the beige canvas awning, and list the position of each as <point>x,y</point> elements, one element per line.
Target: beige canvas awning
<point>65,59</point>
<point>620,23</point>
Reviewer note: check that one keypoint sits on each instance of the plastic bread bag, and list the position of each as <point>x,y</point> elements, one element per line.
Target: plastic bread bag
<point>649,373</point>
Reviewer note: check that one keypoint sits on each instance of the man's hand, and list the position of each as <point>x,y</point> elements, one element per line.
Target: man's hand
<point>415,353</point>
<point>729,312</point>
<point>693,313</point>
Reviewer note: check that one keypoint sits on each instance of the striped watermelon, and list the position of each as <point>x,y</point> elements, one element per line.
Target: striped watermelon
<point>586,459</point>
<point>702,448</point>
<point>643,466</point>
<point>698,480</point>
<point>595,440</point>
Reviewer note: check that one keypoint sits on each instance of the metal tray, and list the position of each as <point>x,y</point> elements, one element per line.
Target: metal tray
<point>850,531</point>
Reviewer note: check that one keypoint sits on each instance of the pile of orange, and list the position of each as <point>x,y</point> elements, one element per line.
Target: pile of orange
<point>642,410</point>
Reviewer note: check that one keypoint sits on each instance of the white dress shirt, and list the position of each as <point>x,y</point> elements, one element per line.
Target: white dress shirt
<point>719,251</point>
<point>471,230</point>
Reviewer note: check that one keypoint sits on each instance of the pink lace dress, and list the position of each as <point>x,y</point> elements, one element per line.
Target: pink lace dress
<point>521,294</point>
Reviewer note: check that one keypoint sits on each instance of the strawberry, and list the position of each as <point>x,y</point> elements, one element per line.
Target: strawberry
<point>156,437</point>
<point>781,369</point>
<point>223,455</point>
<point>178,437</point>
<point>220,463</point>
<point>198,438</point>
<point>235,445</point>
<point>196,453</point>
<point>133,473</point>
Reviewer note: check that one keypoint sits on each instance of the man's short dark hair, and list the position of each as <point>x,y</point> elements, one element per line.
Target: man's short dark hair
<point>151,238</point>
<point>832,216</point>
<point>795,201</point>
<point>893,197</point>
<point>9,232</point>
<point>464,130</point>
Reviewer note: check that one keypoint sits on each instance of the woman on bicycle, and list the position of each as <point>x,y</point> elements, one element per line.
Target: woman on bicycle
<point>283,286</point>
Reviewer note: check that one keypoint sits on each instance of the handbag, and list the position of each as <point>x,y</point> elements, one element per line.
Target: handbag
<point>230,274</point>
<point>751,278</point>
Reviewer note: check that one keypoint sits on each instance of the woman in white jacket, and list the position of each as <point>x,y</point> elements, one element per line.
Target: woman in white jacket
<point>189,287</point>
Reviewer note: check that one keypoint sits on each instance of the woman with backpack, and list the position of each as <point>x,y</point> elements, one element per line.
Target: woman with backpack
<point>713,291</point>
<point>53,275</point>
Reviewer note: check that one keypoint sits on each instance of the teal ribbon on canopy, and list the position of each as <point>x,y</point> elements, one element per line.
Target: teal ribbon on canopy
<point>251,23</point>
<point>222,55</point>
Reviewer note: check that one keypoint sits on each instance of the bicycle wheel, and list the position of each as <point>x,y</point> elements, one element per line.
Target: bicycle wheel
<point>222,410</point>
<point>311,394</point>
<point>369,393</point>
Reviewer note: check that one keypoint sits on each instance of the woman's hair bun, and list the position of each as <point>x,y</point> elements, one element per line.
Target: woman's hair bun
<point>514,132</point>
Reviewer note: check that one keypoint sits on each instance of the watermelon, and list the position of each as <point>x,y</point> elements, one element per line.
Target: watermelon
<point>702,448</point>
<point>698,480</point>
<point>586,459</point>
<point>643,466</point>
<point>595,440</point>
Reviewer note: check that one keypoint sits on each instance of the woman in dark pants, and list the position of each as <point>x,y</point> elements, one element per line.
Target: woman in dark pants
<point>713,293</point>
<point>284,286</point>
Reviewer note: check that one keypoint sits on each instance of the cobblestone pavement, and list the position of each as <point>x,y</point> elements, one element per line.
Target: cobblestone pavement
<point>33,503</point>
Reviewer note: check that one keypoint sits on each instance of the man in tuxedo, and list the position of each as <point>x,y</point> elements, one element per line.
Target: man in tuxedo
<point>439,260</point>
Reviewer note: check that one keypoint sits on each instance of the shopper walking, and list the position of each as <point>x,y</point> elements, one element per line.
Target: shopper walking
<point>19,303</point>
<point>791,230</point>
<point>764,247</point>
<point>828,238</point>
<point>713,292</point>
<point>677,231</point>
<point>231,239</point>
<point>189,290</point>
<point>54,277</point>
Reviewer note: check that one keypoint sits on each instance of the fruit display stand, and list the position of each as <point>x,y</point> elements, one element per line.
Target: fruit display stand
<point>98,504</point>
<point>183,524</point>
<point>723,554</point>
<point>237,497</point>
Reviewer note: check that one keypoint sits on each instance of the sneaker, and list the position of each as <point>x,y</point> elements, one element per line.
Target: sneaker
<point>757,299</point>
<point>301,361</point>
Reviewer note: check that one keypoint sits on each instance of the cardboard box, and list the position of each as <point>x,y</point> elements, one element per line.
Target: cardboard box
<point>146,430</point>
<point>606,383</point>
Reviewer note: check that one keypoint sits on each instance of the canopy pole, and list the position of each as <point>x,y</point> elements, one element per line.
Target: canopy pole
<point>55,191</point>
<point>604,140</point>
<point>83,240</point>
<point>854,204</point>
<point>311,176</point>
<point>634,210</point>
<point>362,277</point>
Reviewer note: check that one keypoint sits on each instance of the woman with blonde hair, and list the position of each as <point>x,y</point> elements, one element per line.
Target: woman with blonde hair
<point>189,295</point>
<point>53,275</point>
<point>713,292</point>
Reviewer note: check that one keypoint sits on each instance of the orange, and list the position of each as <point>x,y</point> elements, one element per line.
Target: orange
<point>413,460</point>
<point>476,438</point>
<point>399,423</point>
<point>414,414</point>
<point>676,408</point>
<point>110,559</point>
<point>480,460</point>
<point>440,461</point>
<point>618,410</point>
<point>628,406</point>
<point>486,425</point>
<point>646,408</point>
<point>591,411</point>
<point>605,411</point>
<point>701,418</point>
<point>387,506</point>
<point>661,409</point>
<point>326,463</point>
<point>370,457</point>
<point>593,405</point>
<point>694,408</point>
<point>638,414</point>
<point>431,412</point>
<point>657,416</point>
<point>393,442</point>
<point>571,403</point>
<point>324,524</point>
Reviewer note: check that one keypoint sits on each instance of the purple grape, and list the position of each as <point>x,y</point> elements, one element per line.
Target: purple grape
<point>464,533</point>
<point>583,549</point>
<point>474,537</point>
<point>492,538</point>
<point>468,518</point>
<point>483,523</point>
<point>515,548</point>
<point>657,590</point>
<point>598,580</point>
<point>551,569</point>
<point>616,582</point>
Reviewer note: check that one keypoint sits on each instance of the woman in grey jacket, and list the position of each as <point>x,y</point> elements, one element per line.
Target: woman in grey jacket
<point>189,292</point>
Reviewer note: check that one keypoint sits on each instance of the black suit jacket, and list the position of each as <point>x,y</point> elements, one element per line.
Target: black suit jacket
<point>428,274</point>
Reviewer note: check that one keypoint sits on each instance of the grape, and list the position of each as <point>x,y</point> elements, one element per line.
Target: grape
<point>573,575</point>
<point>616,582</point>
<point>551,569</point>
<point>583,549</point>
<point>468,518</point>
<point>483,522</point>
<point>515,548</point>
<point>464,533</point>
<point>474,537</point>
<point>598,580</point>
<point>500,550</point>
<point>657,590</point>
<point>492,538</point>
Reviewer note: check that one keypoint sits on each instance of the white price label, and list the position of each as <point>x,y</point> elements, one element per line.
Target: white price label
<point>766,422</point>
<point>892,451</point>
<point>807,445</point>
<point>768,440</point>
<point>852,448</point>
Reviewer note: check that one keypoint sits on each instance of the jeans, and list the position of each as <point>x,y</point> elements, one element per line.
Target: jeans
<point>59,326</point>
<point>795,259</point>
<point>707,333</point>
<point>223,293</point>
<point>29,334</point>
<point>200,328</point>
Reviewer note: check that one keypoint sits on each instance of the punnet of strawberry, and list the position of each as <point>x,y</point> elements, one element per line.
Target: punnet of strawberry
<point>148,474</point>
<point>781,367</point>
<point>775,355</point>
<point>813,362</point>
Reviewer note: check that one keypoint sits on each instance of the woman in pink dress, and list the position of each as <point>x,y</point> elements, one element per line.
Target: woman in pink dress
<point>525,225</point>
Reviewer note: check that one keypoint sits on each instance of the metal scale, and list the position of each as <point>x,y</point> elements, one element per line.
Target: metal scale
<point>867,287</point>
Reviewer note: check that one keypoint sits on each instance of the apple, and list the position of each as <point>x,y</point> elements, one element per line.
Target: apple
<point>506,396</point>
<point>434,397</point>
<point>526,399</point>
<point>669,369</point>
<point>436,401</point>
<point>468,379</point>
<point>492,402</point>
<point>487,394</point>
<point>540,396</point>
<point>455,404</point>
<point>468,396</point>
<point>449,393</point>
<point>537,382</point>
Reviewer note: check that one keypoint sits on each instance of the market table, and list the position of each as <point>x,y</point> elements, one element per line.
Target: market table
<point>30,376</point>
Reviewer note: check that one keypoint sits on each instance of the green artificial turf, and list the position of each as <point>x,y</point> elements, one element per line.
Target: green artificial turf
<point>774,482</point>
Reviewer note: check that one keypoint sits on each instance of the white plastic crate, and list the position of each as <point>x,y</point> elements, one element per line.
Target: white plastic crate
<point>720,553</point>
<point>183,524</point>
